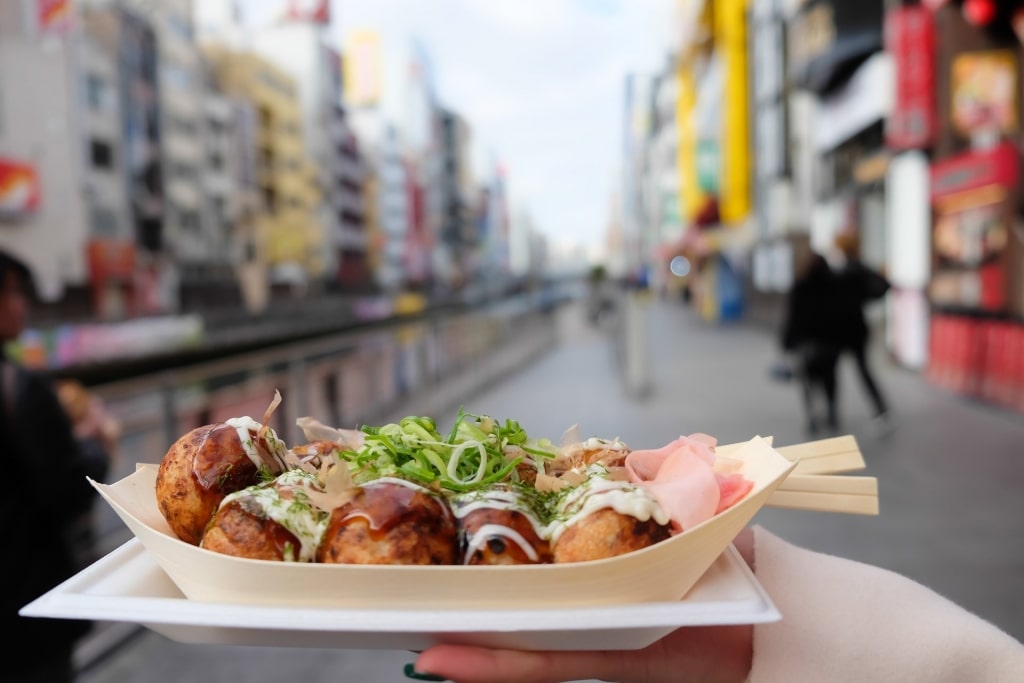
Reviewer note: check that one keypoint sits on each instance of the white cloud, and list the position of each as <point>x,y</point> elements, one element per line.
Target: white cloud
<point>523,17</point>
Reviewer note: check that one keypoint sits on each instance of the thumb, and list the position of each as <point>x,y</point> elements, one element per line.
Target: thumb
<point>465,664</point>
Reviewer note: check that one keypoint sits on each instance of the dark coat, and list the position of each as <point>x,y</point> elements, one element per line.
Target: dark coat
<point>855,286</point>
<point>810,316</point>
<point>45,496</point>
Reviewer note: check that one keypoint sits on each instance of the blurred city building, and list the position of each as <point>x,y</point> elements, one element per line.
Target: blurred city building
<point>184,157</point>
<point>62,153</point>
<point>492,229</point>
<point>300,44</point>
<point>897,121</point>
<point>290,237</point>
<point>632,225</point>
<point>661,183</point>
<point>392,201</point>
<point>698,112</point>
<point>457,237</point>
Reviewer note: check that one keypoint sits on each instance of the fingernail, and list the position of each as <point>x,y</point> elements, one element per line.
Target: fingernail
<point>411,672</point>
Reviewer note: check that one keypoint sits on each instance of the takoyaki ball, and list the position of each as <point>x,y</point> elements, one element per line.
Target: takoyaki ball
<point>270,522</point>
<point>233,531</point>
<point>606,533</point>
<point>497,527</point>
<point>391,521</point>
<point>604,517</point>
<point>205,465</point>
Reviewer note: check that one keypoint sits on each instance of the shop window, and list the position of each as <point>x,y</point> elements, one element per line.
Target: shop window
<point>101,154</point>
<point>102,222</point>
<point>95,93</point>
<point>183,171</point>
<point>190,221</point>
<point>177,77</point>
<point>181,27</point>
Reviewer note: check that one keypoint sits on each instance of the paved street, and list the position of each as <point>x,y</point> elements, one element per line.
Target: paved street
<point>951,475</point>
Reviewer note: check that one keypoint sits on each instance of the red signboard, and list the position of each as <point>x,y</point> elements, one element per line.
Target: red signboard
<point>111,260</point>
<point>19,188</point>
<point>974,170</point>
<point>313,11</point>
<point>53,16</point>
<point>910,39</point>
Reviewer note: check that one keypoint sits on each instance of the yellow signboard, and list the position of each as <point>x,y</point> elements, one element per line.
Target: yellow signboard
<point>362,68</point>
<point>731,41</point>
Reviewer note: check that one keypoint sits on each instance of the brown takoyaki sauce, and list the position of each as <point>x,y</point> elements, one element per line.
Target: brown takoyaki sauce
<point>390,521</point>
<point>221,462</point>
<point>386,504</point>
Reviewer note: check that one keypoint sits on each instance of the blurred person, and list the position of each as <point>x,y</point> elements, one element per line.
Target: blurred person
<point>843,622</point>
<point>810,335</point>
<point>43,508</point>
<point>856,286</point>
<point>97,433</point>
<point>92,424</point>
<point>601,297</point>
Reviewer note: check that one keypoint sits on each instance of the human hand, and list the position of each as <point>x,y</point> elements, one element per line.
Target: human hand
<point>720,654</point>
<point>97,423</point>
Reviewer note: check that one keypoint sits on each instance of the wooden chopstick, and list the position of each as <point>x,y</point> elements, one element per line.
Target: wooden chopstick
<point>811,486</point>
<point>828,483</point>
<point>827,493</point>
<point>824,502</point>
<point>825,456</point>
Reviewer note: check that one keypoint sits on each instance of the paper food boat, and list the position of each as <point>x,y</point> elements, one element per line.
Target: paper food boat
<point>661,573</point>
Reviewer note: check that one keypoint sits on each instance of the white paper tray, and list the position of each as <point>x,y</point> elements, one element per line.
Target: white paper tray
<point>128,585</point>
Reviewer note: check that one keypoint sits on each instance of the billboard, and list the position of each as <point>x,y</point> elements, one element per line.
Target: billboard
<point>910,39</point>
<point>362,68</point>
<point>984,92</point>
<point>53,17</point>
<point>310,11</point>
<point>19,189</point>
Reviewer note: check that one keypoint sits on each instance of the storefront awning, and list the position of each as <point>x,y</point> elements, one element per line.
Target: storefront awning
<point>830,38</point>
<point>865,98</point>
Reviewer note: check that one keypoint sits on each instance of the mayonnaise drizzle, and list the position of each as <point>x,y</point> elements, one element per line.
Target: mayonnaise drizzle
<point>247,429</point>
<point>285,502</point>
<point>598,493</point>
<point>400,481</point>
<point>488,531</point>
<point>496,499</point>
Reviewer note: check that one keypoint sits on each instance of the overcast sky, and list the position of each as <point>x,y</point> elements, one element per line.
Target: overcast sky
<point>541,83</point>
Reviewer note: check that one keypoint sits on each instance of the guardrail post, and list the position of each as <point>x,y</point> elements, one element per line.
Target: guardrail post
<point>168,410</point>
<point>636,357</point>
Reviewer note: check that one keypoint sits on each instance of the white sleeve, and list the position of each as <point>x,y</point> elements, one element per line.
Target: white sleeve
<point>844,621</point>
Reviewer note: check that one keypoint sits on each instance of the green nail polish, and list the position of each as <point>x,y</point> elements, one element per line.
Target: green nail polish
<point>411,672</point>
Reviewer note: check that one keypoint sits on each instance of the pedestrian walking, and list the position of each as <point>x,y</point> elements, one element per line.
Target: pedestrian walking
<point>857,285</point>
<point>809,336</point>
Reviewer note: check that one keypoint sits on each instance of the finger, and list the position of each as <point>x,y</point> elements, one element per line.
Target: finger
<point>465,664</point>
